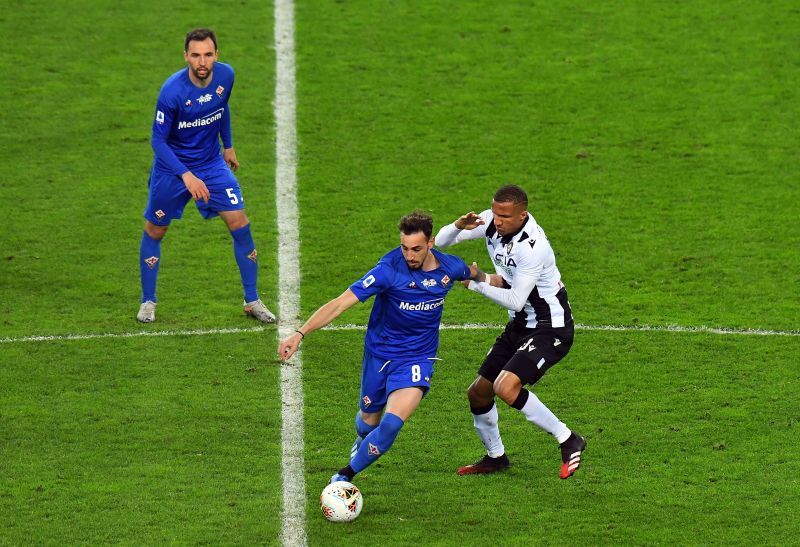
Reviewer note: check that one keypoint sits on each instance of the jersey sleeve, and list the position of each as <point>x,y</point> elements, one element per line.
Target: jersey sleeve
<point>528,269</point>
<point>377,280</point>
<point>162,125</point>
<point>450,235</point>
<point>225,124</point>
<point>460,270</point>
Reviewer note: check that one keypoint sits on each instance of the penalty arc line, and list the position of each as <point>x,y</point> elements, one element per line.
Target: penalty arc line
<point>293,516</point>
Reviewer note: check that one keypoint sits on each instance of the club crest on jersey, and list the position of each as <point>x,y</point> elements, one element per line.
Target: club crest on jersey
<point>151,262</point>
<point>412,285</point>
<point>367,401</point>
<point>509,246</point>
<point>220,90</point>
<point>202,99</point>
<point>445,280</point>
<point>429,282</point>
<point>253,256</point>
<point>160,214</point>
<point>188,102</point>
<point>373,450</point>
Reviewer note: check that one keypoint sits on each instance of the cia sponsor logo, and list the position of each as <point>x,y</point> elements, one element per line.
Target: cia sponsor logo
<point>429,282</point>
<point>506,261</point>
<point>151,262</point>
<point>159,117</point>
<point>367,401</point>
<point>205,120</point>
<point>220,91</point>
<point>369,280</point>
<point>253,256</point>
<point>422,306</point>
<point>203,99</point>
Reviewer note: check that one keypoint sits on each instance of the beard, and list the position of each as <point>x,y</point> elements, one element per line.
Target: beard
<point>201,73</point>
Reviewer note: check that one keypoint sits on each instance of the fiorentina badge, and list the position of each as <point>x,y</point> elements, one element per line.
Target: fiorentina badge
<point>220,91</point>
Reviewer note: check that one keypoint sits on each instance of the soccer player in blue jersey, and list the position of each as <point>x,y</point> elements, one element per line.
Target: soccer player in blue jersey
<point>192,115</point>
<point>409,284</point>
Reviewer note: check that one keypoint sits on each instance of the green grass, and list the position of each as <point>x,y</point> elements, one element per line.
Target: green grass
<point>656,141</point>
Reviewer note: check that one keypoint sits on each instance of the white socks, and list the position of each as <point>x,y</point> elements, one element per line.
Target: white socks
<point>489,433</point>
<point>535,411</point>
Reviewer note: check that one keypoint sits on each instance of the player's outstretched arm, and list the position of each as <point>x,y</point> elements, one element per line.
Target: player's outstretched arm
<point>462,229</point>
<point>319,319</point>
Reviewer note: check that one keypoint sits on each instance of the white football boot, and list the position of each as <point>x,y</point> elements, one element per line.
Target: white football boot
<point>147,312</point>
<point>257,309</point>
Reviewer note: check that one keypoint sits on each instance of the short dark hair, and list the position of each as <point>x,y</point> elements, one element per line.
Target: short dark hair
<point>418,221</point>
<point>511,193</point>
<point>199,34</point>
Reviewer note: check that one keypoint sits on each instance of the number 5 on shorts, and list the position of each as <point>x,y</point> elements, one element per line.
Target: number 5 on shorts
<point>234,199</point>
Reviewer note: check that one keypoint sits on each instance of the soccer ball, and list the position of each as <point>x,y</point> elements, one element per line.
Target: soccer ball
<point>341,501</point>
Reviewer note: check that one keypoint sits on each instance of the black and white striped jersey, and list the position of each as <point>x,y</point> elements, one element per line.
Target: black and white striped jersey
<point>532,290</point>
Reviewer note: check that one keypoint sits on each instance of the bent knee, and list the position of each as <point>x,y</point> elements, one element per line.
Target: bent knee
<point>154,231</point>
<point>507,389</point>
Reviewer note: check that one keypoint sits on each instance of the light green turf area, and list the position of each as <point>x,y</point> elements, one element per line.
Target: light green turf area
<point>658,144</point>
<point>693,445</point>
<point>145,441</point>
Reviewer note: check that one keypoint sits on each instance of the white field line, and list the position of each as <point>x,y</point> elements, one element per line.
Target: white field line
<point>466,326</point>
<point>293,518</point>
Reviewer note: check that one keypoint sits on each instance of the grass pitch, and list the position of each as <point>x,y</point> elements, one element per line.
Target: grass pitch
<point>656,142</point>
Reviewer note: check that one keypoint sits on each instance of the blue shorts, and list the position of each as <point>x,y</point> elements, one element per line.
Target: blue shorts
<point>380,377</point>
<point>168,195</point>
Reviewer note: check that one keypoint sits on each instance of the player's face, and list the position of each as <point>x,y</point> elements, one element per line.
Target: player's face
<point>415,248</point>
<point>201,56</point>
<point>508,217</point>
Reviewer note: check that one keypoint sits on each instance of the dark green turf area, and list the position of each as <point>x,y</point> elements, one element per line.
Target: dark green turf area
<point>655,140</point>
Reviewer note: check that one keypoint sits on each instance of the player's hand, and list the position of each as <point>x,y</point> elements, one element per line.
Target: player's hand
<point>229,155</point>
<point>470,221</point>
<point>289,346</point>
<point>196,187</point>
<point>476,273</point>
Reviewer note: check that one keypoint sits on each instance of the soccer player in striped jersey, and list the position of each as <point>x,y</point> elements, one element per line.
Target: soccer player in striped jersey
<point>539,332</point>
<point>192,115</point>
<point>409,284</point>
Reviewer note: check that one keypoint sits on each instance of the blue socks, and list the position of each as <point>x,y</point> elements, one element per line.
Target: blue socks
<point>246,257</point>
<point>363,428</point>
<point>377,442</point>
<point>149,259</point>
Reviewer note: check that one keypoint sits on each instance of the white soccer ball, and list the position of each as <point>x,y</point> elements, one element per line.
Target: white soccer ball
<point>341,501</point>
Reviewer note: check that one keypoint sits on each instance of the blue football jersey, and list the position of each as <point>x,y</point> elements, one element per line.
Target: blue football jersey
<point>408,304</point>
<point>190,120</point>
